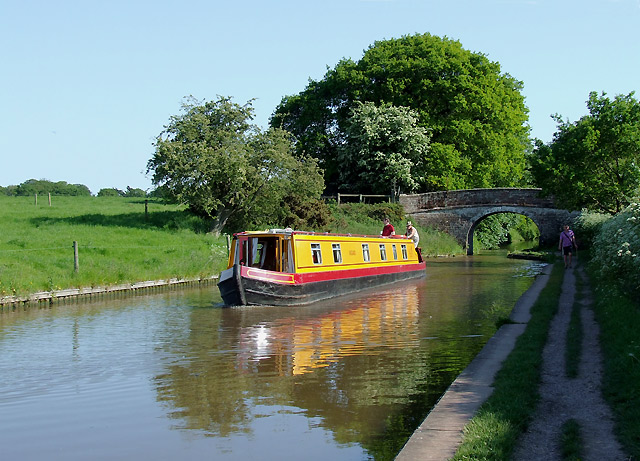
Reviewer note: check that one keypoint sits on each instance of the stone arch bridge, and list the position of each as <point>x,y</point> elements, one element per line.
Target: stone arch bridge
<point>458,212</point>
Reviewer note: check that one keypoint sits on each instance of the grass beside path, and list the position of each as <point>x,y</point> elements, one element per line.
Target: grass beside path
<point>619,319</point>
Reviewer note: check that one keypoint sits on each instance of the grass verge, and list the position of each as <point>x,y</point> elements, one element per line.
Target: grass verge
<point>493,431</point>
<point>571,441</point>
<point>619,319</point>
<point>573,351</point>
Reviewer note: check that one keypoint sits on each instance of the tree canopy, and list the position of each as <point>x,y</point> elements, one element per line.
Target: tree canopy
<point>213,159</point>
<point>115,192</point>
<point>476,114</point>
<point>595,162</point>
<point>44,186</point>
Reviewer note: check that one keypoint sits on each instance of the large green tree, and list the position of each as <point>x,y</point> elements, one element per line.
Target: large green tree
<point>594,162</point>
<point>213,159</point>
<point>475,113</point>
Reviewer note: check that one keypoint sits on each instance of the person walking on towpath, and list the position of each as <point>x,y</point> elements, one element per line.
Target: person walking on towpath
<point>567,244</point>
<point>388,229</point>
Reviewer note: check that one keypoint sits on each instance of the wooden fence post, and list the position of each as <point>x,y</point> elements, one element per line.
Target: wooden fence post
<point>49,198</point>
<point>76,261</point>
<point>36,199</point>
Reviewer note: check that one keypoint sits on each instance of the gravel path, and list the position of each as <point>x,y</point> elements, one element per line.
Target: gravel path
<point>565,398</point>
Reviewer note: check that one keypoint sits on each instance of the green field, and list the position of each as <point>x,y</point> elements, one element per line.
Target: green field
<point>118,242</point>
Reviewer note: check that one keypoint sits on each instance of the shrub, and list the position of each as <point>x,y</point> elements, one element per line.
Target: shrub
<point>617,249</point>
<point>109,192</point>
<point>587,225</point>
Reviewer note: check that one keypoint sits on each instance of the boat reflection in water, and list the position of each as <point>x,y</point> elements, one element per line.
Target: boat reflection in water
<point>338,365</point>
<point>296,346</point>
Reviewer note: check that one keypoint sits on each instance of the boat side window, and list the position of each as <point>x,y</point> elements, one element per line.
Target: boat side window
<point>404,251</point>
<point>337,253</point>
<point>383,252</point>
<point>365,252</point>
<point>395,252</point>
<point>316,254</point>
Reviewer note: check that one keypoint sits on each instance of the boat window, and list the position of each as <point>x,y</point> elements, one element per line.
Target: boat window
<point>365,252</point>
<point>383,252</point>
<point>404,251</point>
<point>337,253</point>
<point>257,252</point>
<point>316,254</point>
<point>395,252</point>
<point>260,252</point>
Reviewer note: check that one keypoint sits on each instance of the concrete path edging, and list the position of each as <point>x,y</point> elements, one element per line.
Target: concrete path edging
<point>440,434</point>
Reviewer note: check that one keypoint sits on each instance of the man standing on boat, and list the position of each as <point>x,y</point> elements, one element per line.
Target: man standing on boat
<point>412,233</point>
<point>388,229</point>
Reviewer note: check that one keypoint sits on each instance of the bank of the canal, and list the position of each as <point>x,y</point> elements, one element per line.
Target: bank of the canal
<point>77,294</point>
<point>440,434</point>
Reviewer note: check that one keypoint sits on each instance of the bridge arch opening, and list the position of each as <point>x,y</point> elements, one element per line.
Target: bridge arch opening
<point>477,220</point>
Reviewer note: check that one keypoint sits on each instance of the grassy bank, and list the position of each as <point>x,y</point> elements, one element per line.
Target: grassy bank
<point>119,242</point>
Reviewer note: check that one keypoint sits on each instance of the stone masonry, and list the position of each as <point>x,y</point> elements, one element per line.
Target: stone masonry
<point>458,212</point>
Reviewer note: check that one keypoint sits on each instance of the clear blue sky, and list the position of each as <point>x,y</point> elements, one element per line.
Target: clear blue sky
<point>86,86</point>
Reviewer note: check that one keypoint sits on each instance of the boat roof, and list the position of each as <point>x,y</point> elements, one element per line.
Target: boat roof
<point>290,232</point>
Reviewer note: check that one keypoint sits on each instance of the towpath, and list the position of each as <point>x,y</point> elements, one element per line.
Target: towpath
<point>439,436</point>
<point>563,398</point>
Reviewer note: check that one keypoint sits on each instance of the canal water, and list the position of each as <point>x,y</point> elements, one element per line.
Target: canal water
<point>177,376</point>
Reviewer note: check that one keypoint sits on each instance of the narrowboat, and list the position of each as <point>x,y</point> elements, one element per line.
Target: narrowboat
<point>282,267</point>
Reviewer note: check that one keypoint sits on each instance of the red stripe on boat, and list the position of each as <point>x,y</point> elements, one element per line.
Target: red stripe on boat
<point>310,277</point>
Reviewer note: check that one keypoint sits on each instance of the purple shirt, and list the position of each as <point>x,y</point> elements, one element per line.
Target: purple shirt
<point>566,238</point>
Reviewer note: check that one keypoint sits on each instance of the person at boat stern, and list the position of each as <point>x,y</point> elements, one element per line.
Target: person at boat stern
<point>412,233</point>
<point>388,229</point>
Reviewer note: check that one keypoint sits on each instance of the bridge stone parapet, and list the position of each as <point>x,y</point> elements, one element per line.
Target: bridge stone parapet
<point>476,197</point>
<point>459,212</point>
